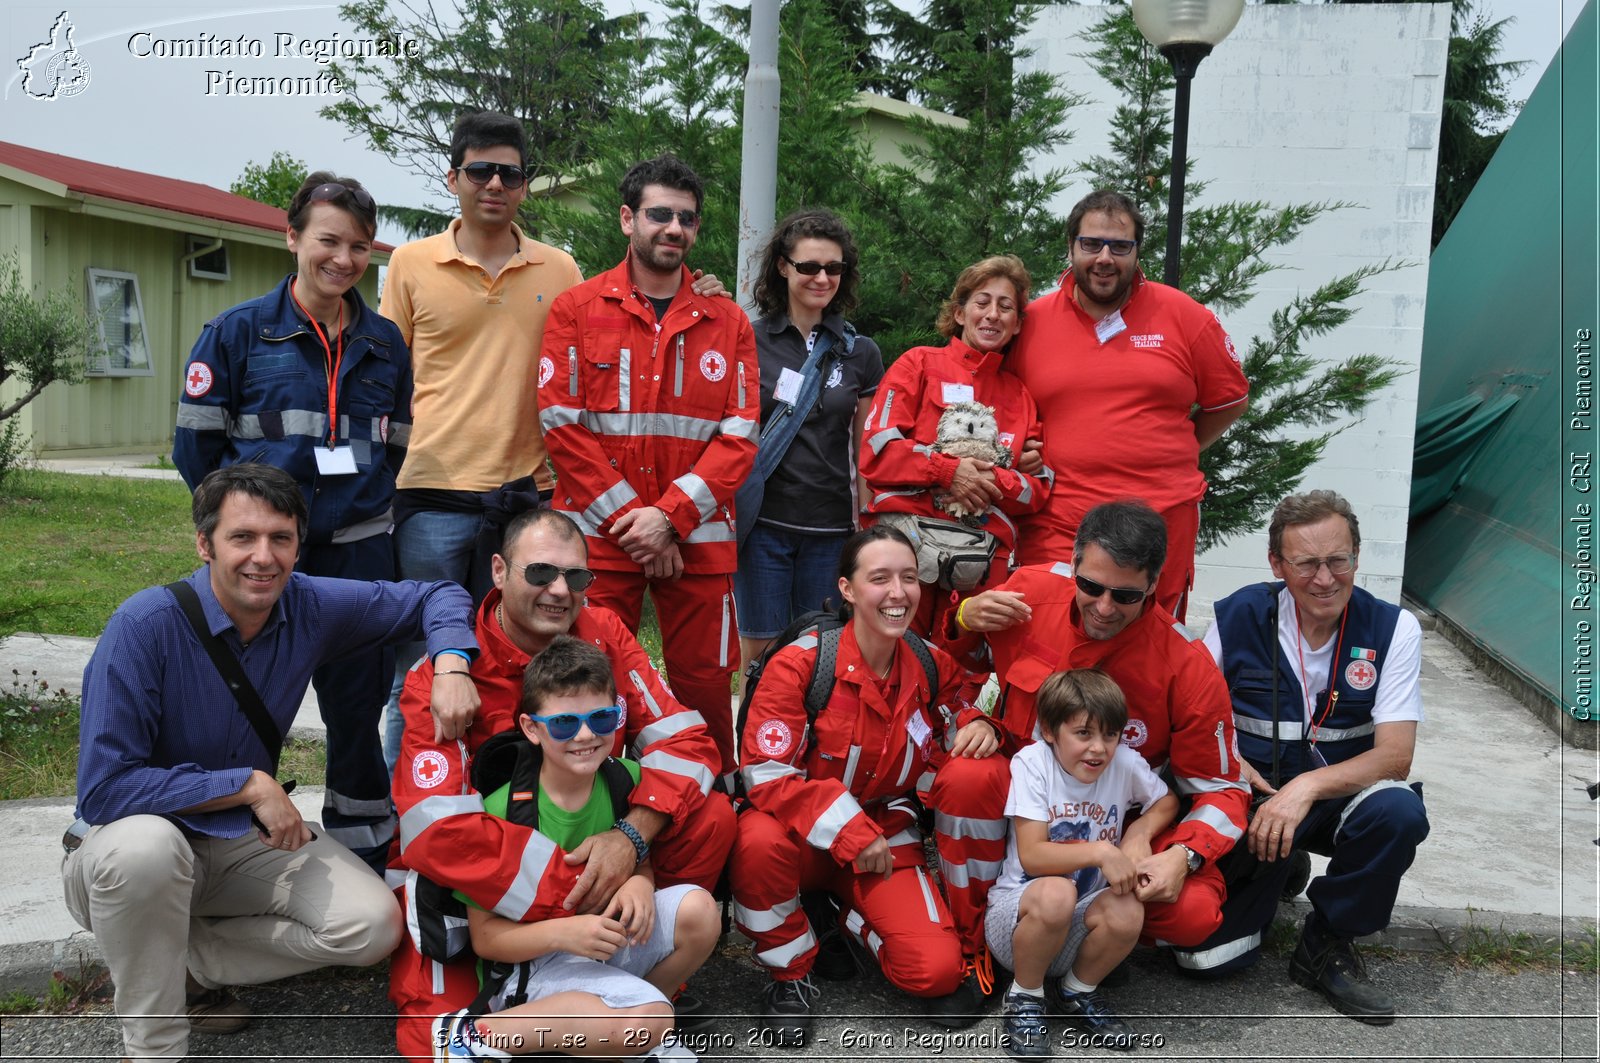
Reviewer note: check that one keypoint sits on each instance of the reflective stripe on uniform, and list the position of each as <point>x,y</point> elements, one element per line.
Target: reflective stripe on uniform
<point>1206,959</point>
<point>427,812</point>
<point>826,829</point>
<point>531,864</point>
<point>761,920</point>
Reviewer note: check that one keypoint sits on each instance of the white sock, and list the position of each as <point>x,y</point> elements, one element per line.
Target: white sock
<point>1037,991</point>
<point>1070,983</point>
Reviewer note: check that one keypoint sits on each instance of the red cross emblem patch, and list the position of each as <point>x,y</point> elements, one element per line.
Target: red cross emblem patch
<point>774,738</point>
<point>429,769</point>
<point>1360,675</point>
<point>197,381</point>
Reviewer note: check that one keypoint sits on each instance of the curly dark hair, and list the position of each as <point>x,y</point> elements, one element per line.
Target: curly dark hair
<point>813,223</point>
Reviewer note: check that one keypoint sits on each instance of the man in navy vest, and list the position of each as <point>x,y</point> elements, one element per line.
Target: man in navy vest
<point>1326,705</point>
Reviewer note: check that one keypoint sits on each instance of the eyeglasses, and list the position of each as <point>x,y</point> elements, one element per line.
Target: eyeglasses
<point>1120,595</point>
<point>333,190</point>
<point>1308,567</point>
<point>540,574</point>
<point>480,173</point>
<point>811,269</point>
<point>664,215</point>
<point>564,726</point>
<point>1091,245</point>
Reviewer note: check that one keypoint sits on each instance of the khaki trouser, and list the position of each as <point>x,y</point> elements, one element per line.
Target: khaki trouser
<point>231,911</point>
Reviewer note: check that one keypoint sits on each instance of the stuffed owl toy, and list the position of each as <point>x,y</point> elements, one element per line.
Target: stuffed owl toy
<point>968,430</point>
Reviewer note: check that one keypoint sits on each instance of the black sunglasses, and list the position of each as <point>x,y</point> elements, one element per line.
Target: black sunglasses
<point>1120,595</point>
<point>811,269</point>
<point>664,215</point>
<point>333,190</point>
<point>540,574</point>
<point>480,173</point>
<point>1091,245</point>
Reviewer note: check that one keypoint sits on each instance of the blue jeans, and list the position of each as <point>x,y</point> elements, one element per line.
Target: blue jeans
<point>783,574</point>
<point>432,545</point>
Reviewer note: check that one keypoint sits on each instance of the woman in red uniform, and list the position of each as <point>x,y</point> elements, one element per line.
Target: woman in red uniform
<point>905,461</point>
<point>833,805</point>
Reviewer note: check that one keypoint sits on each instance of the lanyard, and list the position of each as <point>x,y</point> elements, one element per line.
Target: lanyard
<point>330,363</point>
<point>1305,683</point>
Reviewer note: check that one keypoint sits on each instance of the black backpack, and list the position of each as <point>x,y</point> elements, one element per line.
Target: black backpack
<point>827,627</point>
<point>508,757</point>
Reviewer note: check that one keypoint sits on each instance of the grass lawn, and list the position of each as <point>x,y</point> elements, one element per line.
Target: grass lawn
<point>72,548</point>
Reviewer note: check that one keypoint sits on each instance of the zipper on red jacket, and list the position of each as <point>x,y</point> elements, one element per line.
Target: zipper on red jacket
<point>677,376</point>
<point>741,385</point>
<point>572,371</point>
<point>1222,749</point>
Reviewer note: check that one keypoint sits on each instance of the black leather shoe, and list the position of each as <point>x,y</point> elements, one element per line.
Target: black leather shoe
<point>217,1011</point>
<point>1332,967</point>
<point>786,1013</point>
<point>957,1010</point>
<point>1299,874</point>
<point>836,958</point>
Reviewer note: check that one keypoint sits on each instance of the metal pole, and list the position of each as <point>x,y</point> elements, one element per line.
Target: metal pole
<point>758,173</point>
<point>1185,60</point>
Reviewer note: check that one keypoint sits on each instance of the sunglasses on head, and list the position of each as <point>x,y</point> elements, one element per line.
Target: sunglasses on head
<point>564,726</point>
<point>480,173</point>
<point>540,574</point>
<point>1120,595</point>
<point>333,190</point>
<point>664,215</point>
<point>811,269</point>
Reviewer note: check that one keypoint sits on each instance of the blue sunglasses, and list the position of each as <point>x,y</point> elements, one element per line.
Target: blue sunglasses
<point>564,726</point>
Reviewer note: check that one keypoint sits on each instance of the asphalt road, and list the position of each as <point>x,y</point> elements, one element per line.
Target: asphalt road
<point>1447,1012</point>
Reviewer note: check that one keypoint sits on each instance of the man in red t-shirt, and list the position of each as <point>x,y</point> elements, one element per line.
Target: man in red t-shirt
<point>1133,379</point>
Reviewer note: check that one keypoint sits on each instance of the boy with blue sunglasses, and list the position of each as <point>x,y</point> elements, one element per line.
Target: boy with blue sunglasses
<point>580,984</point>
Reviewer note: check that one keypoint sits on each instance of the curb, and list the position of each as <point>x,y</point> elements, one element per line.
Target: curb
<point>29,966</point>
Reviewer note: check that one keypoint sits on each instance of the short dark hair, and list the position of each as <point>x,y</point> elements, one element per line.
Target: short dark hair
<point>567,666</point>
<point>1063,695</point>
<point>487,129</point>
<point>667,170</point>
<point>1310,508</point>
<point>300,203</point>
<point>559,523</point>
<point>1104,201</point>
<point>976,276</point>
<point>772,292</point>
<point>267,482</point>
<point>1130,531</point>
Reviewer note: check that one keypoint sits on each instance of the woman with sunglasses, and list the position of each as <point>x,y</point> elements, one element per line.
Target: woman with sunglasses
<point>833,801</point>
<point>817,379</point>
<point>310,379</point>
<point>926,492</point>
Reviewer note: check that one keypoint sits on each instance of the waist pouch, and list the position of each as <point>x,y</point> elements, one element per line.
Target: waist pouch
<point>949,554</point>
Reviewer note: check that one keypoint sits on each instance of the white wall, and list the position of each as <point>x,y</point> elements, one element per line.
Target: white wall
<point>1306,104</point>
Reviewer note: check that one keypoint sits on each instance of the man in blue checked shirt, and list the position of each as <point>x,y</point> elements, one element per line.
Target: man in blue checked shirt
<point>171,773</point>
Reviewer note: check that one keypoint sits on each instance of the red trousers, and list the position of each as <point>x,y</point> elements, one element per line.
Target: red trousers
<point>699,640</point>
<point>422,989</point>
<point>901,919</point>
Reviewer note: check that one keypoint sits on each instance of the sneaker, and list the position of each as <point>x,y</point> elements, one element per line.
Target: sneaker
<point>1332,967</point>
<point>1088,1012</point>
<point>691,1014</point>
<point>454,1037</point>
<point>1299,874</point>
<point>216,1011</point>
<point>786,1012</point>
<point>836,960</point>
<point>1024,1034</point>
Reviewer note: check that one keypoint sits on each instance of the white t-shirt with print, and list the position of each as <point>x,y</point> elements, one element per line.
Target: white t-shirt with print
<point>1041,790</point>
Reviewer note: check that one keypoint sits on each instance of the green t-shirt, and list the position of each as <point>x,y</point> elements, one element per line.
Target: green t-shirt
<point>567,829</point>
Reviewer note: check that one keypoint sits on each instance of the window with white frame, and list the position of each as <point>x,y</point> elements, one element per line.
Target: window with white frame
<point>117,314</point>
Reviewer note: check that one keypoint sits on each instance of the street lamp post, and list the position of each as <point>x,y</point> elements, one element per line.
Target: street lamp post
<point>1184,31</point>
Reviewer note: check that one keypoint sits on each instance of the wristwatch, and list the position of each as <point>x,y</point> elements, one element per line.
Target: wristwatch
<point>1192,858</point>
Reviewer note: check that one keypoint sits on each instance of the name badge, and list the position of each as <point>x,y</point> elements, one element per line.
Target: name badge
<point>917,727</point>
<point>1110,326</point>
<point>954,393</point>
<point>340,461</point>
<point>788,388</point>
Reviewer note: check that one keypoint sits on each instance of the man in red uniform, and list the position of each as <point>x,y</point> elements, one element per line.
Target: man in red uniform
<point>1098,613</point>
<point>649,399</point>
<point>445,834</point>
<point>1141,369</point>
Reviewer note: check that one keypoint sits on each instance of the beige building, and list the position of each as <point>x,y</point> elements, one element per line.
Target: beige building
<point>156,258</point>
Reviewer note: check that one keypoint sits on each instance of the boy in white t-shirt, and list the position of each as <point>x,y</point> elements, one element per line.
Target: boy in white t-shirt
<point>1065,904</point>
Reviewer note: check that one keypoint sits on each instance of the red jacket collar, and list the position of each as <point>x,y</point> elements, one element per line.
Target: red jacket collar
<point>977,361</point>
